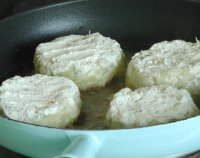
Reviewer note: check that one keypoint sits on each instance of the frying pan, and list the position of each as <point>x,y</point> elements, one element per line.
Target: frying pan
<point>135,24</point>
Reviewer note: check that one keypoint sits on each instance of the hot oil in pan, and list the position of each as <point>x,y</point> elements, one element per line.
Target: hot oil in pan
<point>95,105</point>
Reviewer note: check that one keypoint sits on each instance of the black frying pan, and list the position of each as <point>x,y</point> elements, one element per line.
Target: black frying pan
<point>135,24</point>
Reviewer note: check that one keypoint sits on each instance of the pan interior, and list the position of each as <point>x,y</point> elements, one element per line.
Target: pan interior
<point>135,24</point>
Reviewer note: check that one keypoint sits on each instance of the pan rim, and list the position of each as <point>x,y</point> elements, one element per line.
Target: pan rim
<point>37,9</point>
<point>153,127</point>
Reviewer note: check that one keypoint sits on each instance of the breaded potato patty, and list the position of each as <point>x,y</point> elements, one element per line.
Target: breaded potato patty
<point>90,61</point>
<point>41,100</point>
<point>175,63</point>
<point>149,106</point>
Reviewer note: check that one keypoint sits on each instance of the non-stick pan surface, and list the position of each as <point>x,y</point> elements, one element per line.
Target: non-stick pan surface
<point>135,24</point>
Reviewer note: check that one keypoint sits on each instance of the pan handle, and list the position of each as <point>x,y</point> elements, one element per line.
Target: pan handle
<point>84,146</point>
